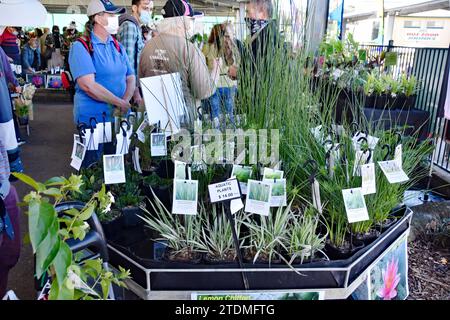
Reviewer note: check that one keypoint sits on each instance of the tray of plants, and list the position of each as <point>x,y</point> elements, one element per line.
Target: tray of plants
<point>153,271</point>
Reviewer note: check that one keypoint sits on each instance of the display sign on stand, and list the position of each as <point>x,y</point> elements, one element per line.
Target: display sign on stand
<point>164,101</point>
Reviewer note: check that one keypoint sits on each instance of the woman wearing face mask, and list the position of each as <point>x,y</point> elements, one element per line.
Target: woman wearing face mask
<point>54,43</point>
<point>105,81</point>
<point>10,43</point>
<point>31,56</point>
<point>171,51</point>
<point>130,36</point>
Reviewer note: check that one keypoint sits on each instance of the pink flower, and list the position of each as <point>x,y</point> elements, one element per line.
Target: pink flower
<point>391,278</point>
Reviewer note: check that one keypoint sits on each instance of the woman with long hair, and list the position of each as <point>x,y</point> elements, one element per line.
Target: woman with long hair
<point>221,46</point>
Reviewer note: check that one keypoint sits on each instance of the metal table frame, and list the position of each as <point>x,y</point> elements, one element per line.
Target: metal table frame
<point>331,293</point>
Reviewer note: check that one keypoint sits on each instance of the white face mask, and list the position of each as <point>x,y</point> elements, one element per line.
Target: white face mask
<point>113,25</point>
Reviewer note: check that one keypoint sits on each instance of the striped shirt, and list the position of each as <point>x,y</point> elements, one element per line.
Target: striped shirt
<point>10,45</point>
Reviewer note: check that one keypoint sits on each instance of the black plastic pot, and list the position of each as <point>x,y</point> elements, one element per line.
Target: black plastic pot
<point>130,216</point>
<point>410,102</point>
<point>336,253</point>
<point>197,259</point>
<point>209,261</point>
<point>112,229</point>
<point>381,101</point>
<point>165,169</point>
<point>23,121</point>
<point>370,101</point>
<point>369,237</point>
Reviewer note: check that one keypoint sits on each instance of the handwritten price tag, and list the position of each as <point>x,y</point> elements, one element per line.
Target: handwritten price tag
<point>223,191</point>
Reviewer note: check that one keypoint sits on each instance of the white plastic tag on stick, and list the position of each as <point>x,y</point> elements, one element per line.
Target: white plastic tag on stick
<point>368,179</point>
<point>140,131</point>
<point>135,157</point>
<point>355,205</point>
<point>279,196</point>
<point>104,132</point>
<point>158,144</point>
<point>258,197</point>
<point>78,154</point>
<point>185,197</point>
<point>91,140</point>
<point>393,172</point>
<point>317,202</point>
<point>114,169</point>
<point>236,205</point>
<point>399,155</point>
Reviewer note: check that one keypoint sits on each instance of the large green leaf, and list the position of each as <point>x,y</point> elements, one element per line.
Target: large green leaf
<point>54,192</point>
<point>78,233</point>
<point>87,213</point>
<point>56,181</point>
<point>41,215</point>
<point>62,261</point>
<point>66,291</point>
<point>94,264</point>
<point>26,179</point>
<point>47,250</point>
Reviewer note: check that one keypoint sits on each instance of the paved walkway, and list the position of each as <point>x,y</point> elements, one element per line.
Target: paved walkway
<point>46,154</point>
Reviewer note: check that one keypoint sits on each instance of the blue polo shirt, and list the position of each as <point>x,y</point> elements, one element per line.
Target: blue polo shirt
<point>111,70</point>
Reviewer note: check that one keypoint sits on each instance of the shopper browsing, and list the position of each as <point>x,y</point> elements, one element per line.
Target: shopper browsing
<point>31,56</point>
<point>171,52</point>
<point>10,43</point>
<point>221,46</point>
<point>130,36</point>
<point>105,80</point>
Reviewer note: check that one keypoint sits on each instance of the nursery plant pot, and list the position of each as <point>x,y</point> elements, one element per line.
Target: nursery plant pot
<point>400,102</point>
<point>190,258</point>
<point>23,121</point>
<point>369,237</point>
<point>249,257</point>
<point>130,216</point>
<point>370,101</point>
<point>381,101</point>
<point>231,259</point>
<point>112,229</point>
<point>345,252</point>
<point>392,102</point>
<point>387,224</point>
<point>165,169</point>
<point>410,102</point>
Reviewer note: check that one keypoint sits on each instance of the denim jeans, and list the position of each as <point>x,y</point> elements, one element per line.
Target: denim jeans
<point>223,99</point>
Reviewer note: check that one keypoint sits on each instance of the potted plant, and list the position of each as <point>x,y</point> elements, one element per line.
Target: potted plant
<point>269,239</point>
<point>22,112</point>
<point>180,234</point>
<point>305,239</point>
<point>153,185</point>
<point>51,233</point>
<point>409,87</point>
<point>217,237</point>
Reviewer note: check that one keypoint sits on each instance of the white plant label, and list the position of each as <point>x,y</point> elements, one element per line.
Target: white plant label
<point>78,153</point>
<point>243,174</point>
<point>258,197</point>
<point>104,132</point>
<point>361,158</point>
<point>393,172</point>
<point>271,174</point>
<point>136,162</point>
<point>158,144</point>
<point>368,179</point>
<point>279,196</point>
<point>91,140</point>
<point>185,197</point>
<point>236,205</point>
<point>317,202</point>
<point>114,169</point>
<point>181,173</point>
<point>223,191</point>
<point>198,154</point>
<point>399,155</point>
<point>140,130</point>
<point>355,205</point>
<point>123,143</point>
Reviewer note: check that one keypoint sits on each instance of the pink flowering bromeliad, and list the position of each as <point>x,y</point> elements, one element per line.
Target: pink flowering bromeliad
<point>391,278</point>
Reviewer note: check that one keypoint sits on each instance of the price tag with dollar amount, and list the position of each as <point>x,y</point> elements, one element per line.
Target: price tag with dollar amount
<point>223,191</point>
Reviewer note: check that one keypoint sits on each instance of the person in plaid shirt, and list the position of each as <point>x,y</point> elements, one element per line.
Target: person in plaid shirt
<point>130,36</point>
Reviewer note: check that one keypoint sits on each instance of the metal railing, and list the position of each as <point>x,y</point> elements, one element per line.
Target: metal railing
<point>428,65</point>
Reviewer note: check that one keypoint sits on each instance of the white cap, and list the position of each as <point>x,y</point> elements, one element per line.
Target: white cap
<point>97,6</point>
<point>22,13</point>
